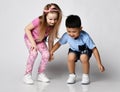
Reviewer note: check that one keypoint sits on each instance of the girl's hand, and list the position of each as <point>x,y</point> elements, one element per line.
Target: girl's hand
<point>51,57</point>
<point>33,47</point>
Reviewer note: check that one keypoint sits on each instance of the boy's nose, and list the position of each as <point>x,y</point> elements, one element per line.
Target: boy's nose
<point>71,35</point>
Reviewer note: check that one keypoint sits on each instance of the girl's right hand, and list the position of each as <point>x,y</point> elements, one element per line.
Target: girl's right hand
<point>33,47</point>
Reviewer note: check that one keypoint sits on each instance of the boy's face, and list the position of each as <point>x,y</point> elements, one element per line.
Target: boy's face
<point>74,32</point>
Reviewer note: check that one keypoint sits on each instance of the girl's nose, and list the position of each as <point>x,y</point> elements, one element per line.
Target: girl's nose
<point>52,21</point>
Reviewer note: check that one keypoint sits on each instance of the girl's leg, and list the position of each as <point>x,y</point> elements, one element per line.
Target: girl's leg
<point>44,60</point>
<point>42,47</point>
<point>31,58</point>
<point>30,62</point>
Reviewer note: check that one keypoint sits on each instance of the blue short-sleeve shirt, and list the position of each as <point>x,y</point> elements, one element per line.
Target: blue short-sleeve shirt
<point>83,38</point>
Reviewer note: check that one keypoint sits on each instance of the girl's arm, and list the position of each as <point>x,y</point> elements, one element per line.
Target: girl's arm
<point>28,30</point>
<point>50,43</point>
<point>97,56</point>
<point>55,47</point>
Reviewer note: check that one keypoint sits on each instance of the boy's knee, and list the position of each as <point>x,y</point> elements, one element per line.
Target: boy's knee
<point>84,57</point>
<point>71,59</point>
<point>84,62</point>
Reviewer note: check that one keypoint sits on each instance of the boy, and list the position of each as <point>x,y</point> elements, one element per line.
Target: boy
<point>81,48</point>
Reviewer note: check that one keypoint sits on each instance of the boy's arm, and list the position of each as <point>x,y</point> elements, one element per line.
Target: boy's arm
<point>97,56</point>
<point>55,47</point>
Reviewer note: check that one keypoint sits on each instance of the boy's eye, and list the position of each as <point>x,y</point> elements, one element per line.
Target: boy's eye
<point>74,31</point>
<point>68,31</point>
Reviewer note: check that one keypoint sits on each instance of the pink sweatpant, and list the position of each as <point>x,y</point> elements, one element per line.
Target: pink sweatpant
<point>42,48</point>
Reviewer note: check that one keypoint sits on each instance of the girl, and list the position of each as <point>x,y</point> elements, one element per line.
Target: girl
<point>46,25</point>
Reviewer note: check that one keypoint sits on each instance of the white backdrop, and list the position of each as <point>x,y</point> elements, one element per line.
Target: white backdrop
<point>100,18</point>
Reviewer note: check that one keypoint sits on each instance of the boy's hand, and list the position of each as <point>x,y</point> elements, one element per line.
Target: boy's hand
<point>101,68</point>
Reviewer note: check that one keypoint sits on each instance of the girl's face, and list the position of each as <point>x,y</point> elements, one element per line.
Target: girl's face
<point>51,18</point>
<point>73,32</point>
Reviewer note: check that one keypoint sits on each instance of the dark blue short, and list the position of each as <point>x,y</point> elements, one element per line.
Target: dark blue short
<point>78,54</point>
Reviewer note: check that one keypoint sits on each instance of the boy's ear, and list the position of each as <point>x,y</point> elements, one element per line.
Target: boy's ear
<point>81,28</point>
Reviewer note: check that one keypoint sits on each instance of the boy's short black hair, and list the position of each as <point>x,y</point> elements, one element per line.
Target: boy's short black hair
<point>73,21</point>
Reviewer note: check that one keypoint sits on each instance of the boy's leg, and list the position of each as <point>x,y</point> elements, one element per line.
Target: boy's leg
<point>85,68</point>
<point>71,68</point>
<point>71,63</point>
<point>85,63</point>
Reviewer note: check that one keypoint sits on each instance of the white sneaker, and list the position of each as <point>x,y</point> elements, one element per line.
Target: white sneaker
<point>71,79</point>
<point>43,78</point>
<point>85,79</point>
<point>28,79</point>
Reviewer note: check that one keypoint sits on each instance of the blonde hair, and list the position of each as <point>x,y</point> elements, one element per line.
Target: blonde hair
<point>43,23</point>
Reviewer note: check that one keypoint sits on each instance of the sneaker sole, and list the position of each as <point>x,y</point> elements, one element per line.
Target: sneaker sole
<point>28,83</point>
<point>85,83</point>
<point>44,81</point>
<point>71,83</point>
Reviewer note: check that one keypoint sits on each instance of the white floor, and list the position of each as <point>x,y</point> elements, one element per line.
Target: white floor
<point>58,73</point>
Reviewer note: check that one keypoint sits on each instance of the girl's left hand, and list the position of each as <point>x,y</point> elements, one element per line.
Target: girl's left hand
<point>51,57</point>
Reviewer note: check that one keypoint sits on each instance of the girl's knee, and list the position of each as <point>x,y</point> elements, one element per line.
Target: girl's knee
<point>46,55</point>
<point>33,53</point>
